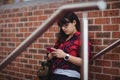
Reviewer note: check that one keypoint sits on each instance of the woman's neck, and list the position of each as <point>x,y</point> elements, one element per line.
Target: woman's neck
<point>71,35</point>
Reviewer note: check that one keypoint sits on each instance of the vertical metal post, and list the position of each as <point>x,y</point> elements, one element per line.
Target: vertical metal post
<point>84,50</point>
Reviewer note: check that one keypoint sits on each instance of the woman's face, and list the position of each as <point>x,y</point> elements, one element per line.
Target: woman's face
<point>69,28</point>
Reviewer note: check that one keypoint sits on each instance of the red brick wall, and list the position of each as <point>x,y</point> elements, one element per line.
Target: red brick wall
<point>105,29</point>
<point>18,23</point>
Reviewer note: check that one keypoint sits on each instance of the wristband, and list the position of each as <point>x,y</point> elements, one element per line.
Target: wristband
<point>66,57</point>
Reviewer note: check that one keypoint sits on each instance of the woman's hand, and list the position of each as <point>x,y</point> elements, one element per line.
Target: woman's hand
<point>61,54</point>
<point>58,53</point>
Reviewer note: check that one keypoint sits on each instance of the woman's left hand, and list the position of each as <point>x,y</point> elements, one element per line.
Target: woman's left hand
<point>59,53</point>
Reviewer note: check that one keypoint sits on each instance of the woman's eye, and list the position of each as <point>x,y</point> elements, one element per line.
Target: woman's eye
<point>66,24</point>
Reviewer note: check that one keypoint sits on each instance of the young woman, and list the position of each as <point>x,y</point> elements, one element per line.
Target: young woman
<point>65,58</point>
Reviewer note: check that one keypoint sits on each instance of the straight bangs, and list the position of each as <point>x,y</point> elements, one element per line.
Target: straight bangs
<point>63,21</point>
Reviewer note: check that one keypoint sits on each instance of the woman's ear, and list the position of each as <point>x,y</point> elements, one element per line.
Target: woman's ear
<point>74,22</point>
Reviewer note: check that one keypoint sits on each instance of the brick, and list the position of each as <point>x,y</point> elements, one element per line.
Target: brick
<point>42,17</point>
<point>116,50</point>
<point>19,64</point>
<point>23,19</point>
<point>23,9</point>
<point>1,76</point>
<point>95,69</point>
<point>112,71</point>
<point>115,77</point>
<point>28,77</point>
<point>15,10</point>
<point>53,29</point>
<point>116,35</point>
<point>24,60</point>
<point>32,50</point>
<point>96,41</point>
<point>48,35</point>
<point>11,15</point>
<point>19,14</point>
<point>116,20</point>
<point>108,5</point>
<point>8,49</point>
<point>43,6</point>
<point>9,68</point>
<point>11,44</point>
<point>14,30</point>
<point>102,63</point>
<point>102,77</point>
<point>36,67</point>
<point>32,18</point>
<point>16,69</point>
<point>79,14</point>
<point>2,16</point>
<point>116,5</point>
<point>52,41</point>
<point>32,29</point>
<point>8,77</point>
<point>19,24</point>
<point>103,35</point>
<point>108,41</point>
<point>111,0</point>
<point>28,56</point>
<point>102,21</point>
<point>111,27</point>
<point>1,21</point>
<point>111,13</point>
<point>11,25</point>
<point>39,12</point>
<point>23,30</point>
<point>54,5</point>
<point>4,25</point>
<point>28,24</point>
<point>28,14</point>
<point>42,51</point>
<point>31,8</point>
<point>19,35</point>
<point>116,64</point>
<point>37,46</point>
<point>29,66</point>
<point>95,28</point>
<point>37,23</point>
<point>38,57</point>
<point>88,8</point>
<point>15,20</point>
<point>95,14</point>
<point>32,62</point>
<point>19,75</point>
<point>3,44</point>
<point>43,40</point>
<point>7,20</point>
<point>91,35</point>
<point>111,57</point>
<point>48,11</point>
<point>90,21</point>
<point>91,76</point>
<point>24,70</point>
<point>7,11</point>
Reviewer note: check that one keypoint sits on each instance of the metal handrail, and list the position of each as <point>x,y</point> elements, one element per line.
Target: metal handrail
<point>47,24</point>
<point>108,48</point>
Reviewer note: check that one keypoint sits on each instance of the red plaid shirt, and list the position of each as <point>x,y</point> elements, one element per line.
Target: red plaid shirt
<point>72,47</point>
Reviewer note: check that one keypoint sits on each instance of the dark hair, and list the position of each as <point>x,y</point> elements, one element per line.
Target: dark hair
<point>67,18</point>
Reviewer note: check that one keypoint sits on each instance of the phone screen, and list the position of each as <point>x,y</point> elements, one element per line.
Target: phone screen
<point>50,49</point>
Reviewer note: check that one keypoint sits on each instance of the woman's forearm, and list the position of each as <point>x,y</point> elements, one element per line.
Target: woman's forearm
<point>75,60</point>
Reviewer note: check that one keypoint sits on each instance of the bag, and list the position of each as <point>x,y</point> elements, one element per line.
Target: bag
<point>44,72</point>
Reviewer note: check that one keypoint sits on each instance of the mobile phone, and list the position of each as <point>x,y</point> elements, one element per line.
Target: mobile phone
<point>49,49</point>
